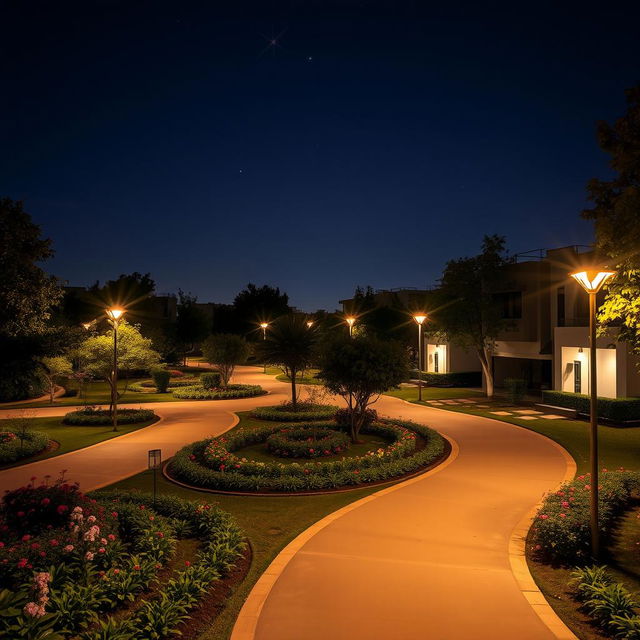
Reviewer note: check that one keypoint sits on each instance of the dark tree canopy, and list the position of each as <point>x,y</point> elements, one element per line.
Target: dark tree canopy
<point>616,212</point>
<point>225,351</point>
<point>192,325</point>
<point>259,304</point>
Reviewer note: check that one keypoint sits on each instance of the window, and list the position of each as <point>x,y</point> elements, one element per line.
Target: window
<point>577,376</point>
<point>510,304</point>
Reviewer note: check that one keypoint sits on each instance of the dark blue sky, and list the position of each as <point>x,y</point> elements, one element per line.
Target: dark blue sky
<point>373,143</point>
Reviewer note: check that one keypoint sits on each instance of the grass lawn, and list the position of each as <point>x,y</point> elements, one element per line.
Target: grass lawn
<point>309,378</point>
<point>433,393</point>
<point>270,523</point>
<point>71,438</point>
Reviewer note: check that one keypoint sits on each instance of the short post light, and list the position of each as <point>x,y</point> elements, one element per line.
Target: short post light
<point>350,321</point>
<point>114,314</point>
<point>155,463</point>
<point>420,318</point>
<point>264,326</point>
<point>592,280</point>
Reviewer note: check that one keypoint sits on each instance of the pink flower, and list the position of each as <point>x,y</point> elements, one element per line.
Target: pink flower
<point>68,548</point>
<point>34,610</point>
<point>88,555</point>
<point>187,563</point>
<point>45,501</point>
<point>62,508</point>
<point>543,517</point>
<point>26,537</point>
<point>565,504</point>
<point>111,537</point>
<point>101,550</point>
<point>22,563</point>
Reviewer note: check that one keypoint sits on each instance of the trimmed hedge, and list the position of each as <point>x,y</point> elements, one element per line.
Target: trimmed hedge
<point>615,409</point>
<point>395,460</point>
<point>306,412</point>
<point>148,386</point>
<point>458,379</point>
<point>99,417</point>
<point>229,392</point>
<point>561,531</point>
<point>211,380</point>
<point>13,449</point>
<point>307,442</point>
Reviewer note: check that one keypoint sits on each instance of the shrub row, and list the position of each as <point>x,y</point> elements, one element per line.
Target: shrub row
<point>615,409</point>
<point>21,445</point>
<point>397,460</point>
<point>307,442</point>
<point>458,379</point>
<point>561,531</point>
<point>97,417</point>
<point>146,386</point>
<point>608,603</point>
<point>229,392</point>
<point>305,412</point>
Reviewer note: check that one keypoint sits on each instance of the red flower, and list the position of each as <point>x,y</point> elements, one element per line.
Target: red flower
<point>62,508</point>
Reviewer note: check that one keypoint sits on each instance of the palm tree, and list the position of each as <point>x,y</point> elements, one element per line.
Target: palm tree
<point>290,345</point>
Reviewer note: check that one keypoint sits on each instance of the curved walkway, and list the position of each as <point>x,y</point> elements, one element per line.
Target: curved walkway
<point>181,422</point>
<point>428,559</point>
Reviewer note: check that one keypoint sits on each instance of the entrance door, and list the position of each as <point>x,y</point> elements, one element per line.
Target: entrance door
<point>577,376</point>
<point>436,366</point>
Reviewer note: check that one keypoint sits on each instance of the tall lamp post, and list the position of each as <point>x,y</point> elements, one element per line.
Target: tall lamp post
<point>419,318</point>
<point>264,326</point>
<point>350,321</point>
<point>114,314</point>
<point>591,281</point>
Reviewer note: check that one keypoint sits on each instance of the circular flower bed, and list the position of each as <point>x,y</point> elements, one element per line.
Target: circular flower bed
<point>229,392</point>
<point>14,446</point>
<point>72,564</point>
<point>307,442</point>
<point>149,386</point>
<point>212,464</point>
<point>97,417</point>
<point>305,411</point>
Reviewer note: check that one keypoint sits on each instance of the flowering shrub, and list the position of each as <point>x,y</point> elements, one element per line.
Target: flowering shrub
<point>306,411</point>
<point>176,373</point>
<point>14,447</point>
<point>307,442</point>
<point>561,531</point>
<point>76,597</point>
<point>229,392</point>
<point>211,463</point>
<point>97,417</point>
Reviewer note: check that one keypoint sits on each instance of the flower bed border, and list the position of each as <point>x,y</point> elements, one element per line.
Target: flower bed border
<point>96,416</point>
<point>39,438</point>
<point>275,414</point>
<point>232,392</point>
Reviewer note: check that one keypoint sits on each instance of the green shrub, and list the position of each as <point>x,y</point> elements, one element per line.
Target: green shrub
<point>561,531</point>
<point>229,392</point>
<point>615,409</point>
<point>343,418</point>
<point>98,417</point>
<point>458,379</point>
<point>15,446</point>
<point>161,378</point>
<point>305,412</point>
<point>211,380</point>
<point>307,442</point>
<point>516,389</point>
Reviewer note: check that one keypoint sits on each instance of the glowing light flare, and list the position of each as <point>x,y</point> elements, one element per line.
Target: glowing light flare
<point>114,313</point>
<point>419,318</point>
<point>309,323</point>
<point>264,325</point>
<point>592,280</point>
<point>351,321</point>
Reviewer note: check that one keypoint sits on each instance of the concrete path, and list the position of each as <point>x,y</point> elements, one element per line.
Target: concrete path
<point>428,560</point>
<point>112,460</point>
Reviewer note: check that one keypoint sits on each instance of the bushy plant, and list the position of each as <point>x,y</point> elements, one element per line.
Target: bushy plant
<point>15,446</point>
<point>96,417</point>
<point>614,409</point>
<point>453,379</point>
<point>229,392</point>
<point>307,442</point>
<point>516,389</point>
<point>304,412</point>
<point>343,418</point>
<point>561,531</point>
<point>161,378</point>
<point>211,380</point>
<point>225,351</point>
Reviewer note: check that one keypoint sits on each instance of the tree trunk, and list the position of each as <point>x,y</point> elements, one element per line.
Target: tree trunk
<point>294,399</point>
<point>485,362</point>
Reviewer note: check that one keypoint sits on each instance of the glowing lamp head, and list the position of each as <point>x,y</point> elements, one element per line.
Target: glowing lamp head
<point>114,313</point>
<point>420,318</point>
<point>591,280</point>
<point>86,325</point>
<point>351,321</point>
<point>264,325</point>
<point>309,323</point>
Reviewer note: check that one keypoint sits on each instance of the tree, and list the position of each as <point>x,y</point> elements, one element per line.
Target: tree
<point>192,325</point>
<point>259,304</point>
<point>468,312</point>
<point>134,353</point>
<point>616,213</point>
<point>225,351</point>
<point>27,293</point>
<point>53,369</point>
<point>290,344</point>
<point>132,291</point>
<point>360,369</point>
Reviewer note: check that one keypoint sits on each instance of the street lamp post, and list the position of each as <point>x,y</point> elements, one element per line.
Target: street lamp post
<point>264,326</point>
<point>155,463</point>
<point>114,315</point>
<point>419,318</point>
<point>351,321</point>
<point>591,281</point>
<point>309,324</point>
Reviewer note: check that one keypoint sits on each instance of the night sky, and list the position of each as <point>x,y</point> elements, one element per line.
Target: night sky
<point>368,145</point>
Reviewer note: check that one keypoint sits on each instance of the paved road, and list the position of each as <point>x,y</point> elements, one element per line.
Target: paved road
<point>428,560</point>
<point>182,422</point>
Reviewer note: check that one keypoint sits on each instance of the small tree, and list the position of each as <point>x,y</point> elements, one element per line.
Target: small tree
<point>360,369</point>
<point>290,344</point>
<point>225,351</point>
<point>134,353</point>
<point>53,369</point>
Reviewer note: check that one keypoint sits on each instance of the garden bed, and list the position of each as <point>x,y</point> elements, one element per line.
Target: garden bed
<point>229,392</point>
<point>285,413</point>
<point>149,386</point>
<point>113,565</point>
<point>211,464</point>
<point>101,417</point>
<point>16,446</point>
